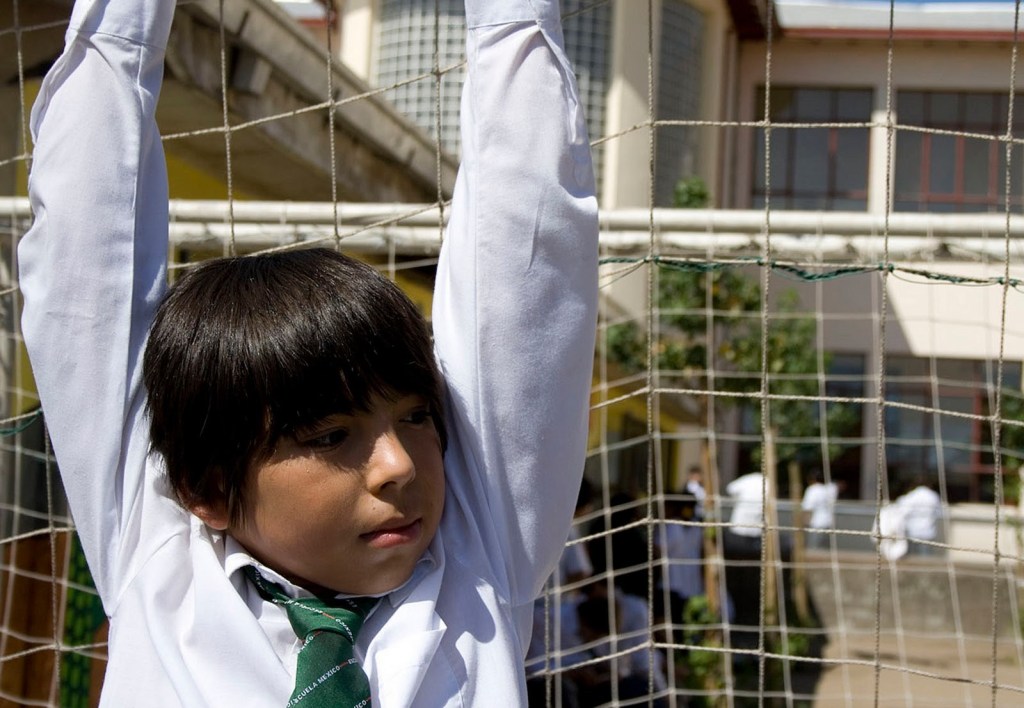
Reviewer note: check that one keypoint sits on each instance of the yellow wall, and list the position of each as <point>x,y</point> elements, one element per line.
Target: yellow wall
<point>185,181</point>
<point>21,185</point>
<point>188,182</point>
<point>25,399</point>
<point>616,417</point>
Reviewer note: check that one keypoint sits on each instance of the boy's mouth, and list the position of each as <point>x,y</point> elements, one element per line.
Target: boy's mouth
<point>389,536</point>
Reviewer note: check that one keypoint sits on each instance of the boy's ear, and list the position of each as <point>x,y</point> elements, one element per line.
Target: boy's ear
<point>215,515</point>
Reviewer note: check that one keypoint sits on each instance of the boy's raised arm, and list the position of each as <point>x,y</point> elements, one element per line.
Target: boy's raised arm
<point>515,311</point>
<point>92,268</point>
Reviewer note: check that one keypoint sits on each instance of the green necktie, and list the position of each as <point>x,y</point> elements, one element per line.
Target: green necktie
<point>327,674</point>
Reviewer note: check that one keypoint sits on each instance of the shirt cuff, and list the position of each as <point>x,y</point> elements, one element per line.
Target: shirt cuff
<point>141,21</point>
<point>482,13</point>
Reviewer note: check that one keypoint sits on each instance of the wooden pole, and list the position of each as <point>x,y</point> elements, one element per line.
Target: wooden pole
<point>771,533</point>
<point>800,601</point>
<point>712,559</point>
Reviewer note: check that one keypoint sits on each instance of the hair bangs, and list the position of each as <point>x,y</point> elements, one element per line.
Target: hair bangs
<point>357,352</point>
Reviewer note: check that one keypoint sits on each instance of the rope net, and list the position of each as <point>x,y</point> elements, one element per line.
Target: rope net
<point>806,430</point>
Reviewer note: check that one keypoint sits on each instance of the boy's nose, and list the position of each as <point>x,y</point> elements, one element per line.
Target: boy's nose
<point>391,463</point>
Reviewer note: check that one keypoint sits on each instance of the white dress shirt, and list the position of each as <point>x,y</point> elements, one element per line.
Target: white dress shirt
<point>696,489</point>
<point>514,320</point>
<point>891,525</point>
<point>922,509</point>
<point>747,517</point>
<point>820,500</point>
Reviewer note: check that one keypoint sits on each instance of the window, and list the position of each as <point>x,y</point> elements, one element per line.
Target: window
<point>939,172</point>
<point>678,97</point>
<point>943,443</point>
<point>588,36</point>
<point>814,167</point>
<point>801,439</point>
<point>846,379</point>
<point>405,51</point>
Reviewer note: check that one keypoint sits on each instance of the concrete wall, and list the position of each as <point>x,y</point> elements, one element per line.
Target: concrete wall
<point>926,596</point>
<point>944,594</point>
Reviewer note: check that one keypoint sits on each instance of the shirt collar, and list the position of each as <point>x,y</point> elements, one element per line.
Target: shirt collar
<point>236,558</point>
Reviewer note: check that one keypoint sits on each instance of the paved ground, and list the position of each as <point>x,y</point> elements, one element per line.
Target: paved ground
<point>920,672</point>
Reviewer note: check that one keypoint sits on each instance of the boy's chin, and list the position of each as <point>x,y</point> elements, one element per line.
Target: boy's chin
<point>374,581</point>
<point>367,586</point>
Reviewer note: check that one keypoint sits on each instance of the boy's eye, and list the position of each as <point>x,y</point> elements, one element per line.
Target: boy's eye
<point>325,440</point>
<point>418,416</point>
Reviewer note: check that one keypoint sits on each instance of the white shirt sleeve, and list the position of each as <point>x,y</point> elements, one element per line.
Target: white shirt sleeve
<point>516,296</point>
<point>812,497</point>
<point>92,267</point>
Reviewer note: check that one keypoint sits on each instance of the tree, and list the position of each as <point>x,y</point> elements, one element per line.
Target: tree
<point>710,327</point>
<point>690,193</point>
<point>710,336</point>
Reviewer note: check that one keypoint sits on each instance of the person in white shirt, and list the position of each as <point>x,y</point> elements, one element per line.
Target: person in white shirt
<point>747,518</point>
<point>891,531</point>
<point>742,549</point>
<point>820,502</point>
<point>590,635</point>
<point>695,488</point>
<point>922,512</point>
<point>574,566</point>
<point>681,547</point>
<point>248,438</point>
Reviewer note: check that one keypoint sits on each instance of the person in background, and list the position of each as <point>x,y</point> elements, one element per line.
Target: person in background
<point>695,488</point>
<point>550,630</point>
<point>681,547</point>
<point>629,555</point>
<point>819,501</point>
<point>575,565</point>
<point>614,625</point>
<point>742,541</point>
<point>746,523</point>
<point>922,512</point>
<point>891,531</point>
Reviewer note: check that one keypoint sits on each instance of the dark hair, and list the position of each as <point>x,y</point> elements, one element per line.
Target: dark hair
<point>684,507</point>
<point>593,613</point>
<point>585,496</point>
<point>244,351</point>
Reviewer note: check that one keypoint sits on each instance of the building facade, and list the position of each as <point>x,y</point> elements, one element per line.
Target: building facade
<point>807,106</point>
<point>940,77</point>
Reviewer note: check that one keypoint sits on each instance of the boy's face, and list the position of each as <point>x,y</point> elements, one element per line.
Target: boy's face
<point>351,504</point>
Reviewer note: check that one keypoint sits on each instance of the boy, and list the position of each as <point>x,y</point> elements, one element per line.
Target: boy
<point>214,509</point>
